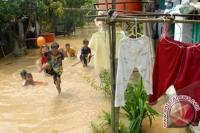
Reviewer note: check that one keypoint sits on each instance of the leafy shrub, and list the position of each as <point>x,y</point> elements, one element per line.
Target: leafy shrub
<point>97,128</point>
<point>104,85</point>
<point>107,118</point>
<point>104,125</point>
<point>136,106</point>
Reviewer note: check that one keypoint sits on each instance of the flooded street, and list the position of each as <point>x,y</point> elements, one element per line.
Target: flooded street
<point>39,109</point>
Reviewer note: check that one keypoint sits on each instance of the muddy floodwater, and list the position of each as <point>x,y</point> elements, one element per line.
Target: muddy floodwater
<point>39,109</point>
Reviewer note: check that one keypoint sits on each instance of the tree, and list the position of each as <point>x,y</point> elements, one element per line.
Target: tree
<point>12,11</point>
<point>89,4</point>
<point>9,12</point>
<point>74,17</point>
<point>45,12</point>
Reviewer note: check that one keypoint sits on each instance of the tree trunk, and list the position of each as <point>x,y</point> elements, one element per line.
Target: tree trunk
<point>19,47</point>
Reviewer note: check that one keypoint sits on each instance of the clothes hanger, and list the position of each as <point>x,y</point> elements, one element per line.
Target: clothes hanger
<point>133,35</point>
<point>136,27</point>
<point>134,30</point>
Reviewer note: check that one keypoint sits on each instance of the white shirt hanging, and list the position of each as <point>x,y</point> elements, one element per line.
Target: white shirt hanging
<point>99,43</point>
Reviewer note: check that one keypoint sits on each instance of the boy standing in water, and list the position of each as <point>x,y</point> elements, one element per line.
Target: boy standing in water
<point>54,65</point>
<point>85,53</point>
<point>44,54</point>
<point>69,52</point>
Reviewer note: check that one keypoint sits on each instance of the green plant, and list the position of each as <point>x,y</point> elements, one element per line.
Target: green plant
<point>105,78</point>
<point>97,128</point>
<point>104,85</point>
<point>136,106</point>
<point>104,125</point>
<point>107,118</point>
<point>122,128</point>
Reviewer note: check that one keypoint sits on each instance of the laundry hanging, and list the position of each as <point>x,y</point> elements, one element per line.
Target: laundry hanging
<point>167,63</point>
<point>177,64</point>
<point>134,53</point>
<point>182,31</point>
<point>196,33</point>
<point>99,43</point>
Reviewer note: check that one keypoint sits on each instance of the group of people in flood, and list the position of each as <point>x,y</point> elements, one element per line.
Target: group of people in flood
<point>51,62</point>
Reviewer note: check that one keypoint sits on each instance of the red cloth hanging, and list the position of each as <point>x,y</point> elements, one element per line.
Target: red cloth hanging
<point>168,60</point>
<point>177,64</point>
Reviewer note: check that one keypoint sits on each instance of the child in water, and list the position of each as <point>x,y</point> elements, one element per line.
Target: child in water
<point>85,53</point>
<point>54,65</point>
<point>69,52</point>
<point>23,74</point>
<point>29,79</point>
<point>44,54</point>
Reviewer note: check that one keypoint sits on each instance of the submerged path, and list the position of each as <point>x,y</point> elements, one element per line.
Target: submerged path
<point>39,109</point>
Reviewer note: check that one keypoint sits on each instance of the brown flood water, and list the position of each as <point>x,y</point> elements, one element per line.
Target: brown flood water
<point>39,109</point>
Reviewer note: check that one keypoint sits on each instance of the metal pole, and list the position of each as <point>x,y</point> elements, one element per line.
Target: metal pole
<point>112,72</point>
<point>115,111</point>
<point>112,43</point>
<point>142,14</point>
<point>148,20</point>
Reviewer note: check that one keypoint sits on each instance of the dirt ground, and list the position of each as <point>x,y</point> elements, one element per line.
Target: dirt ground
<point>39,109</point>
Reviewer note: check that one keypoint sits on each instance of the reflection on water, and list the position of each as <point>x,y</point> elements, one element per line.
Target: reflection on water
<point>39,109</point>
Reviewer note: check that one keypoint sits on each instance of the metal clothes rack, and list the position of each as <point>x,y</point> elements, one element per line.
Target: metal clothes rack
<point>149,14</point>
<point>145,20</point>
<point>111,20</point>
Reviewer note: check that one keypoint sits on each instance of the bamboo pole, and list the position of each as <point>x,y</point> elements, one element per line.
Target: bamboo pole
<point>158,14</point>
<point>115,110</point>
<point>114,3</point>
<point>82,9</point>
<point>112,43</point>
<point>148,20</point>
<point>149,14</point>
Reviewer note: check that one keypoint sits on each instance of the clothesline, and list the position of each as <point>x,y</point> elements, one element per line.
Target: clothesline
<point>133,17</point>
<point>146,14</point>
<point>83,9</point>
<point>146,20</point>
<point>132,13</point>
<point>142,2</point>
<point>159,14</point>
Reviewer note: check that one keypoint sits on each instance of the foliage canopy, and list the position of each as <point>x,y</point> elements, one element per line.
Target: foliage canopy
<point>42,10</point>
